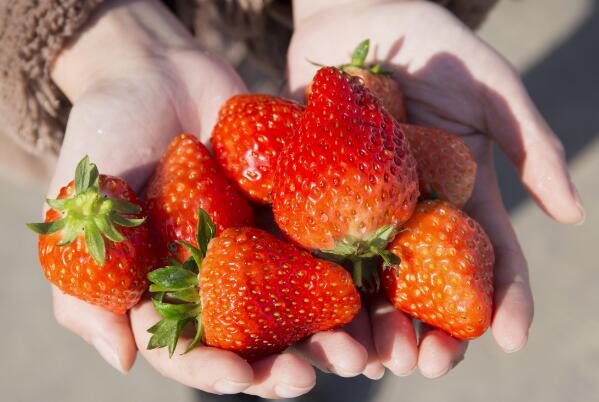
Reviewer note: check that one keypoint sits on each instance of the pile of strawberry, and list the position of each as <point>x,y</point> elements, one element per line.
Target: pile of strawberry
<point>364,202</point>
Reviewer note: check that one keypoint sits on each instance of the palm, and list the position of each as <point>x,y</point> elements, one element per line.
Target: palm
<point>124,124</point>
<point>452,80</point>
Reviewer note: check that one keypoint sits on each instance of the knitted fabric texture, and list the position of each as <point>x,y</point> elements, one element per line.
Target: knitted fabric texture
<point>32,109</point>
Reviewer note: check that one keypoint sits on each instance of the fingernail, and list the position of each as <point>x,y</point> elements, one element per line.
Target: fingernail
<point>108,353</point>
<point>511,347</point>
<point>578,200</point>
<point>346,373</point>
<point>378,375</point>
<point>289,391</point>
<point>341,371</point>
<point>437,374</point>
<point>583,214</point>
<point>405,373</point>
<point>225,386</point>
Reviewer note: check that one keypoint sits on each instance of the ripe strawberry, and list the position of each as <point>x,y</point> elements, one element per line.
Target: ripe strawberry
<point>346,180</point>
<point>83,253</point>
<point>248,137</point>
<point>445,277</point>
<point>187,178</point>
<point>446,168</point>
<point>257,294</point>
<point>380,83</point>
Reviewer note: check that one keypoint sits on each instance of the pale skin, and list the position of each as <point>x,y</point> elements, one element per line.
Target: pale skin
<point>150,82</point>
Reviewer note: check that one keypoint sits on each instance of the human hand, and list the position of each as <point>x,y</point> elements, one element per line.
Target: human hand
<point>136,79</point>
<point>454,81</point>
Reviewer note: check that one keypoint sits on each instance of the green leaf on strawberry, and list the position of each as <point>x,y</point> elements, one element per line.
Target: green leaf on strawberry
<point>360,53</point>
<point>90,212</point>
<point>172,278</point>
<point>206,231</point>
<point>176,311</point>
<point>179,283</point>
<point>166,333</point>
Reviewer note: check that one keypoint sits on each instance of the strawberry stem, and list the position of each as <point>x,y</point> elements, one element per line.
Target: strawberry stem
<point>357,272</point>
<point>364,255</point>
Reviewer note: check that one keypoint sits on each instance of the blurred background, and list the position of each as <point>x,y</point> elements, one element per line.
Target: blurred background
<point>555,46</point>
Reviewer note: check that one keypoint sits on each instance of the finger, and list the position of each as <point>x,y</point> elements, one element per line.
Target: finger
<point>209,369</point>
<point>201,98</point>
<point>282,376</point>
<point>334,351</point>
<point>361,331</point>
<point>533,148</point>
<point>394,337</point>
<point>109,333</point>
<point>439,352</point>
<point>513,302</point>
<point>107,125</point>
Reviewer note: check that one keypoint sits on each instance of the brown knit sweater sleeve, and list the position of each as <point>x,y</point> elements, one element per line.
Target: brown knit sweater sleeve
<point>32,109</point>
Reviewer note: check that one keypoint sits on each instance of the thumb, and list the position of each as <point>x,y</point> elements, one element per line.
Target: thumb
<point>532,147</point>
<point>108,332</point>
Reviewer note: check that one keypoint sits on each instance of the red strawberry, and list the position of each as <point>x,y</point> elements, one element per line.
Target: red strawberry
<point>445,277</point>
<point>258,294</point>
<point>346,180</point>
<point>80,248</point>
<point>446,168</point>
<point>187,178</point>
<point>248,137</point>
<point>380,83</point>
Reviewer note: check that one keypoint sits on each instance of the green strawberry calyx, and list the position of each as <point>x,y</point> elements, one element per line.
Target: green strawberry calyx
<point>358,60</point>
<point>90,212</point>
<point>176,292</point>
<point>363,253</point>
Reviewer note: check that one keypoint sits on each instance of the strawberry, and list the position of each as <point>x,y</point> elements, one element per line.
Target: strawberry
<point>81,250</point>
<point>380,83</point>
<point>249,135</point>
<point>257,294</point>
<point>445,277</point>
<point>446,168</point>
<point>346,180</point>
<point>186,179</point>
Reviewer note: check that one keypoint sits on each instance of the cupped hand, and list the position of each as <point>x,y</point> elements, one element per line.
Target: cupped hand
<point>136,79</point>
<point>454,81</point>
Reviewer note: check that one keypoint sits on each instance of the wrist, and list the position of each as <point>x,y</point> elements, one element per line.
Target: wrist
<point>120,36</point>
